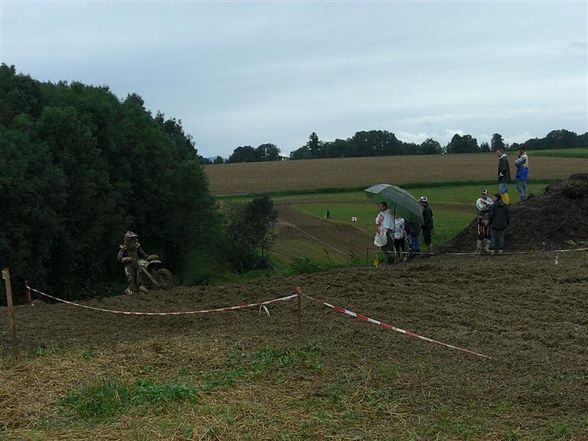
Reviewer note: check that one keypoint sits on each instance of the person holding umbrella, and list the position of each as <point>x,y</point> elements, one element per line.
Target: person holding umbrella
<point>385,232</point>
<point>401,202</point>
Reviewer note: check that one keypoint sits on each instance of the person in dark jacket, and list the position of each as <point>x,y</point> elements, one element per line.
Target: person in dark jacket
<point>503,175</point>
<point>414,231</point>
<point>427,225</point>
<point>499,218</point>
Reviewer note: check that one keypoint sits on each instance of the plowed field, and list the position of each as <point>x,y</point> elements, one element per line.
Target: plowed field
<point>357,381</point>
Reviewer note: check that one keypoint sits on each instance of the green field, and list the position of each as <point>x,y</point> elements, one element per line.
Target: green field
<point>581,152</point>
<point>453,207</point>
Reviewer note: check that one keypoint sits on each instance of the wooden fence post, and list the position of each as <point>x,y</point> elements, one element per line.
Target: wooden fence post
<point>10,307</point>
<point>299,303</point>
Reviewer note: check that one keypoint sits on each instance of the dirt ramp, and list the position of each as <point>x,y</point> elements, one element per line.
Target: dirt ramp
<point>546,222</point>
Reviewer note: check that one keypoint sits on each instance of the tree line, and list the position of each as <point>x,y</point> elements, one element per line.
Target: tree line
<point>384,143</point>
<point>79,167</point>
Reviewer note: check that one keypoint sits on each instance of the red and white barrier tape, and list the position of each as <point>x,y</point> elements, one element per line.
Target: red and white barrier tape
<point>384,325</point>
<point>139,313</point>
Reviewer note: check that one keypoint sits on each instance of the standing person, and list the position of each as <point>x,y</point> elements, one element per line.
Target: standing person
<point>503,175</point>
<point>499,218</point>
<point>483,205</point>
<point>385,232</point>
<point>399,235</point>
<point>427,225</point>
<point>414,230</point>
<point>129,253</point>
<point>522,175</point>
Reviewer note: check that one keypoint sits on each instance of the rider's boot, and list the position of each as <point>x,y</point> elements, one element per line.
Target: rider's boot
<point>478,246</point>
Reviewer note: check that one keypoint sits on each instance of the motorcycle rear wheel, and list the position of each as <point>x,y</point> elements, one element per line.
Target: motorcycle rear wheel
<point>164,278</point>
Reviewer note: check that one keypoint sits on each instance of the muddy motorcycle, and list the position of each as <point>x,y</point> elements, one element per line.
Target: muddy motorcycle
<point>152,275</point>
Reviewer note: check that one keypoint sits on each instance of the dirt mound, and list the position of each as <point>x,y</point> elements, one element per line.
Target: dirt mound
<point>546,222</point>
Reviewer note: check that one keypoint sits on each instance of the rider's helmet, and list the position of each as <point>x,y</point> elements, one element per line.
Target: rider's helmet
<point>484,192</point>
<point>130,235</point>
<point>423,199</point>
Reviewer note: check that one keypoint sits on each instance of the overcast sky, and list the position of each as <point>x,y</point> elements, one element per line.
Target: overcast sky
<point>247,73</point>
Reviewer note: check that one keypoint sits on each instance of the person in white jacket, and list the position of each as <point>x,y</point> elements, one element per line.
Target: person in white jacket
<point>399,236</point>
<point>483,205</point>
<point>385,231</point>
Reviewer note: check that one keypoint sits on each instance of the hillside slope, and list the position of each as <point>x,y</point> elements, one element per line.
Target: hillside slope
<point>358,381</point>
<point>549,221</point>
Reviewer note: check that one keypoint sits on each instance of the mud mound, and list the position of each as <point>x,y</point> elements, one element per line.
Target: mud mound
<point>545,222</point>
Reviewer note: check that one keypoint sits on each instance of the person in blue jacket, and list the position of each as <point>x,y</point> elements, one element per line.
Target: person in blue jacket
<point>522,175</point>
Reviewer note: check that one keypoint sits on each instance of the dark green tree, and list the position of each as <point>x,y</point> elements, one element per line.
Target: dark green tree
<point>497,142</point>
<point>244,154</point>
<point>268,152</point>
<point>429,147</point>
<point>249,232</point>
<point>462,144</point>
<point>79,168</point>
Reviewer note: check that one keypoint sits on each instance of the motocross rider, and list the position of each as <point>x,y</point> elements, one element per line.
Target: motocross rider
<point>129,253</point>
<point>483,205</point>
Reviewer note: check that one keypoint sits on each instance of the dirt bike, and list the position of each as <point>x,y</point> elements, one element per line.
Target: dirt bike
<point>152,275</point>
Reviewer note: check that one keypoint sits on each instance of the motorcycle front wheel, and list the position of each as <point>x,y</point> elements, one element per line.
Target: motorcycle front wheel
<point>164,278</point>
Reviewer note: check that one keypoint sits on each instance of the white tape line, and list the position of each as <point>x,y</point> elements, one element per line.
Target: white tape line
<point>139,313</point>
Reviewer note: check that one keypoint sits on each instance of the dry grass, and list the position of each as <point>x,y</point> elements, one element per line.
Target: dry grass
<point>336,378</point>
<point>258,177</point>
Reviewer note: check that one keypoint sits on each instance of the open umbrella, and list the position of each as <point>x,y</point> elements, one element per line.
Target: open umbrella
<point>399,201</point>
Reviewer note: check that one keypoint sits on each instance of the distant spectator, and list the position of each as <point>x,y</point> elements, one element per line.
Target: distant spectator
<point>483,205</point>
<point>328,214</point>
<point>427,225</point>
<point>384,232</point>
<point>503,175</point>
<point>499,218</point>
<point>399,237</point>
<point>414,230</point>
<point>522,175</point>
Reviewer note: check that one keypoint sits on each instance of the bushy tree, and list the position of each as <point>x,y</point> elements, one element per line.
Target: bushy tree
<point>79,168</point>
<point>497,142</point>
<point>249,233</point>
<point>462,144</point>
<point>268,152</point>
<point>243,154</point>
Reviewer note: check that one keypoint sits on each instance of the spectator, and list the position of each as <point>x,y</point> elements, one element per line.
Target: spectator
<point>427,225</point>
<point>522,175</point>
<point>414,230</point>
<point>399,236</point>
<point>503,175</point>
<point>499,218</point>
<point>483,205</point>
<point>384,232</point>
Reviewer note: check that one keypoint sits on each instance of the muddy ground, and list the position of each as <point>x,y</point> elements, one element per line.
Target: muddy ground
<point>526,312</point>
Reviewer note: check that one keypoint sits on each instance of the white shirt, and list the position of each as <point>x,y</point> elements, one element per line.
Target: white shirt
<point>384,221</point>
<point>483,204</point>
<point>398,228</point>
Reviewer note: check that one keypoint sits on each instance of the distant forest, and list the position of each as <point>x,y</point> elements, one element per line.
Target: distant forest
<point>384,143</point>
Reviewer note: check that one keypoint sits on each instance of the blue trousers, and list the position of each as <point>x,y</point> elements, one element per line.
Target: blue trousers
<point>522,188</point>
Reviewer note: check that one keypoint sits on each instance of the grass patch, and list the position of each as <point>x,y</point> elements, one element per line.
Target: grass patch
<point>414,188</point>
<point>579,152</point>
<point>109,398</point>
